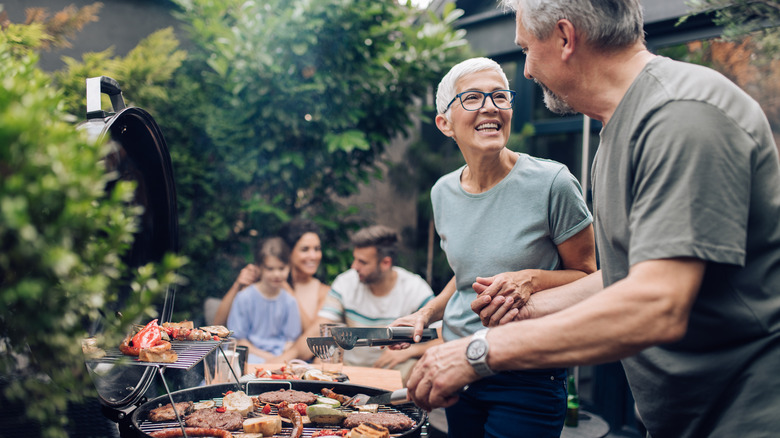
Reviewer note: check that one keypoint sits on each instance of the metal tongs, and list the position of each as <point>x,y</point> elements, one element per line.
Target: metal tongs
<point>351,337</point>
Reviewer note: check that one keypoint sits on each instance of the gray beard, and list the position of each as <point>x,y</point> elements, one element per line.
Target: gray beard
<point>555,103</point>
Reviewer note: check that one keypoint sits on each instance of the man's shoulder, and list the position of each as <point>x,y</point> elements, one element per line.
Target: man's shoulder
<point>412,282</point>
<point>346,281</point>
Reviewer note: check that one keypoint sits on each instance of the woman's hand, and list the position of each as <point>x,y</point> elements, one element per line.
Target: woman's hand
<point>249,275</point>
<point>500,297</point>
<point>419,320</point>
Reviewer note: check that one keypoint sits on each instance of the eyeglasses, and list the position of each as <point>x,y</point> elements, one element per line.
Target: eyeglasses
<point>475,100</point>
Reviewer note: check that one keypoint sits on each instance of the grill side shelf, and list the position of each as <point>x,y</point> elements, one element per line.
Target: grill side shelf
<point>189,352</point>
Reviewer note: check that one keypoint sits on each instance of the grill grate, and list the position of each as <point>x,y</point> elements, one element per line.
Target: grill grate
<point>308,429</point>
<point>190,353</point>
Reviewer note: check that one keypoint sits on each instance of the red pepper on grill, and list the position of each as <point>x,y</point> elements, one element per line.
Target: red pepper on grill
<point>267,409</point>
<point>301,408</point>
<point>221,409</point>
<point>147,337</point>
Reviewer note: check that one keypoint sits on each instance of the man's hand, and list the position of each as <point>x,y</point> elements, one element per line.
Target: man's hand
<point>500,297</point>
<point>440,374</point>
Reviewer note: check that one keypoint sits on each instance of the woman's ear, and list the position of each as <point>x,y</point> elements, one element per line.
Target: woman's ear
<point>444,125</point>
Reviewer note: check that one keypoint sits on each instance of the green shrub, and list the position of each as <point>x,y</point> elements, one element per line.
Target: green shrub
<point>62,238</point>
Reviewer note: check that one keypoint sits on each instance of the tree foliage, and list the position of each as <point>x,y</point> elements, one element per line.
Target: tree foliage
<point>62,238</point>
<point>289,106</point>
<point>740,18</point>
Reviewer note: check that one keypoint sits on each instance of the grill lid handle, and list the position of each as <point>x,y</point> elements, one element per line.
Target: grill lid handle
<point>103,85</point>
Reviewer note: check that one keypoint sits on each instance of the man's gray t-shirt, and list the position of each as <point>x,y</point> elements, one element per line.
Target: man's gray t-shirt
<point>515,225</point>
<point>687,167</point>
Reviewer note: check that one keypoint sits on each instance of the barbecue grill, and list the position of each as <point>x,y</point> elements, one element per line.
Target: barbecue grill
<point>139,153</point>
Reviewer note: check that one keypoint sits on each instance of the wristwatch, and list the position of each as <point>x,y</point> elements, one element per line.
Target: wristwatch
<point>477,352</point>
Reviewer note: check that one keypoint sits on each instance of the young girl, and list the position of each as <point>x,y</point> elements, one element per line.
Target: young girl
<point>264,316</point>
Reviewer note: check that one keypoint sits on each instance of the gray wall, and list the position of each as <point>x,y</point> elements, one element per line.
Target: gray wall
<point>122,25</point>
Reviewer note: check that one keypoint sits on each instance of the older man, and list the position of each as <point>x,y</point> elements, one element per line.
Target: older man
<point>686,203</point>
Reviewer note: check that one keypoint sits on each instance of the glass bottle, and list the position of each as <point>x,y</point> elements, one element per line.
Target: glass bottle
<point>572,403</point>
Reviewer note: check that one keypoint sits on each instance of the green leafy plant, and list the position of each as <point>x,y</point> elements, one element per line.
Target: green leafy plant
<point>285,107</point>
<point>62,238</point>
<point>279,109</point>
<point>740,18</point>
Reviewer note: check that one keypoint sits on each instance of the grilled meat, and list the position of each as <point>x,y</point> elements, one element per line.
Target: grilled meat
<point>290,396</point>
<point>166,413</point>
<point>393,422</point>
<point>211,419</point>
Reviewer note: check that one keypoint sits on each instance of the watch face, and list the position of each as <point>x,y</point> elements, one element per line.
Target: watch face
<point>476,349</point>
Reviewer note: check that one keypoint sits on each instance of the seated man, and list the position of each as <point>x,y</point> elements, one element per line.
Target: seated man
<point>373,293</point>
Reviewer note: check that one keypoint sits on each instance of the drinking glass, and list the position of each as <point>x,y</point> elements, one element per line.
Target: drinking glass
<point>335,361</point>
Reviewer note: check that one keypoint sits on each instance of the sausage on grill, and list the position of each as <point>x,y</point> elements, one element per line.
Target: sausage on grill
<point>292,415</point>
<point>191,431</point>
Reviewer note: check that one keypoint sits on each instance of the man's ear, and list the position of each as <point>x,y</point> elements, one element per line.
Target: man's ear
<point>386,262</point>
<point>567,37</point>
<point>444,125</point>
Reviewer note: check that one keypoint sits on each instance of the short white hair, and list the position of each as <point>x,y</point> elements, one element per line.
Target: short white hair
<point>446,90</point>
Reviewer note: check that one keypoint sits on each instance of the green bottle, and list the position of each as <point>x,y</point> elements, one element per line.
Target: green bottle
<point>572,404</point>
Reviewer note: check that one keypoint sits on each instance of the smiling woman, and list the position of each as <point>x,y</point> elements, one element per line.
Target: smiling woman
<point>526,221</point>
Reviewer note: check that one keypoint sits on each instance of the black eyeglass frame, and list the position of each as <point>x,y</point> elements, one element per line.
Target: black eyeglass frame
<point>484,99</point>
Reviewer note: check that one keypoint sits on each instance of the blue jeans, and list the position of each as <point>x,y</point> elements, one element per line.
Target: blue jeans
<point>512,404</point>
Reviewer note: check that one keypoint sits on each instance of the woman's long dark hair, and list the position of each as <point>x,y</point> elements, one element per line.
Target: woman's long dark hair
<point>292,232</point>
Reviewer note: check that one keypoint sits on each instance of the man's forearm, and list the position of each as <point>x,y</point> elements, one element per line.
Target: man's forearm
<point>556,298</point>
<point>649,307</point>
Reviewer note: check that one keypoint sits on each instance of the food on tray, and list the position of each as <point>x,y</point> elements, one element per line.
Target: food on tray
<point>165,356</point>
<point>268,425</point>
<point>239,402</point>
<point>290,396</point>
<point>191,431</point>
<point>179,325</point>
<point>315,374</point>
<point>185,331</point>
<point>206,404</point>
<point>166,413</point>
<point>294,416</point>
<point>148,338</point>
<point>369,430</point>
<point>283,373</point>
<point>330,394</point>
<point>392,421</point>
<point>322,414</point>
<point>217,330</point>
<point>213,418</point>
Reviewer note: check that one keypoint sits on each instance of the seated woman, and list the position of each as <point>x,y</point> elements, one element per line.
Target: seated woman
<point>264,317</point>
<point>303,237</point>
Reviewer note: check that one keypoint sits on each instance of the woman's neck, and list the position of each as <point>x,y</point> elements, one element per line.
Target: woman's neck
<point>483,173</point>
<point>300,278</point>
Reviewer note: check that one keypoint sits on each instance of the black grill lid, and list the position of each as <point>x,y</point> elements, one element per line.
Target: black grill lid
<point>138,153</point>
